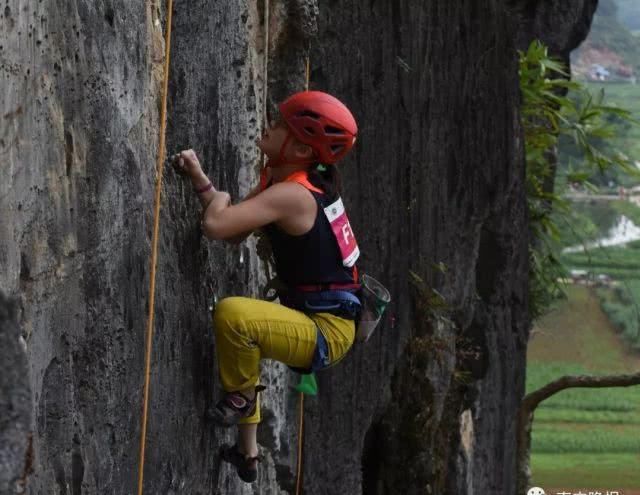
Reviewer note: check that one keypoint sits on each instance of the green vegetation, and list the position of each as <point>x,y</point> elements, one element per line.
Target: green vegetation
<point>578,470</point>
<point>584,222</point>
<point>552,438</point>
<point>625,134</point>
<point>583,437</point>
<point>573,415</point>
<point>547,115</point>
<point>621,303</point>
<point>601,260</point>
<point>623,310</point>
<point>629,210</point>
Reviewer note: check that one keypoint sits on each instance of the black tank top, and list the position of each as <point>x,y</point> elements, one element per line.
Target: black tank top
<point>311,258</point>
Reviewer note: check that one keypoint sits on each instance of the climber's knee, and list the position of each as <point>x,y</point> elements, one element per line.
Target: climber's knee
<point>228,313</point>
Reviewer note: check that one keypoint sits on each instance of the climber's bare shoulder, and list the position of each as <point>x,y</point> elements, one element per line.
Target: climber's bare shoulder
<point>287,204</point>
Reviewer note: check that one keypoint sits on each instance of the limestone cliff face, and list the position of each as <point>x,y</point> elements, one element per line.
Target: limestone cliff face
<point>562,26</point>
<point>435,193</point>
<point>15,403</point>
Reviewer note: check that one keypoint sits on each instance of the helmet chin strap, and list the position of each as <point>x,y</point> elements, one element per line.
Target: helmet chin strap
<point>283,149</point>
<point>280,161</point>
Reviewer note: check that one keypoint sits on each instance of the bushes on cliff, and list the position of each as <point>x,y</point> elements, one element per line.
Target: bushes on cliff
<point>547,115</point>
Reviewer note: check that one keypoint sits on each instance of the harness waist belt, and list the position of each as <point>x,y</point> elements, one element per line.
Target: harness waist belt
<point>338,302</point>
<point>325,287</point>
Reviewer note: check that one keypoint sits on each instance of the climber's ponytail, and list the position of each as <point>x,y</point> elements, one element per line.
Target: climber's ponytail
<point>327,178</point>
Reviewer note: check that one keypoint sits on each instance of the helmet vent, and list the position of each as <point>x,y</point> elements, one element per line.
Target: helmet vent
<point>309,113</point>
<point>336,148</point>
<point>333,130</point>
<point>310,130</point>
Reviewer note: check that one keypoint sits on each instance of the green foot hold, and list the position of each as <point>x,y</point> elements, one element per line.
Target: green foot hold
<point>308,384</point>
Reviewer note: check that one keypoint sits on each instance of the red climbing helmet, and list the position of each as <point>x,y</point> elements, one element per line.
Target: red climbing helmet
<point>322,122</point>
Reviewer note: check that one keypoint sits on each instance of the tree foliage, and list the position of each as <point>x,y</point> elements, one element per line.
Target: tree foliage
<point>549,114</point>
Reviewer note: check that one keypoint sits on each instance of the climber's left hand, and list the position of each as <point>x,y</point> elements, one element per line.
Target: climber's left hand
<point>186,163</point>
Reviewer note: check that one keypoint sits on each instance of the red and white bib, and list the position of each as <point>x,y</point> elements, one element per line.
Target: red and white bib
<point>341,228</point>
<point>336,215</point>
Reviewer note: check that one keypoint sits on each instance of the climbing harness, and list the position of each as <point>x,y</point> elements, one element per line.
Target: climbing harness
<point>154,244</point>
<point>341,303</point>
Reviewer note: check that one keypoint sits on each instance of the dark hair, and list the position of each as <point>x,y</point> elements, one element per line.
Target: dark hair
<point>327,178</point>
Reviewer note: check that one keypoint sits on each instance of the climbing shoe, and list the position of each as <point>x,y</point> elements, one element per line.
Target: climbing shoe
<point>233,407</point>
<point>247,466</point>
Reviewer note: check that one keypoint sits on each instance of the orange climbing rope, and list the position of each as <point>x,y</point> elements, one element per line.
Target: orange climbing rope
<point>265,73</point>
<point>265,78</point>
<point>154,244</point>
<point>300,443</point>
<point>301,396</point>
<point>155,237</point>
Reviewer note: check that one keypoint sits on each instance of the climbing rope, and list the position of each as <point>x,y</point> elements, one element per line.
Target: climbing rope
<point>263,248</point>
<point>301,394</point>
<point>265,79</point>
<point>265,74</point>
<point>154,244</point>
<point>155,237</point>
<point>264,252</point>
<point>307,74</point>
<point>300,444</point>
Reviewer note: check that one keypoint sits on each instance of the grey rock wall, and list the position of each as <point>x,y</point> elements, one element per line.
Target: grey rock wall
<point>441,156</point>
<point>15,403</point>
<point>562,26</point>
<point>435,192</point>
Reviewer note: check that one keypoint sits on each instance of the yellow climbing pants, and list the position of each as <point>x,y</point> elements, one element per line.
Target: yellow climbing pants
<point>249,329</point>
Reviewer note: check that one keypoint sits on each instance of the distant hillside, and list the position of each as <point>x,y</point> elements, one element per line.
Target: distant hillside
<point>629,13</point>
<point>611,52</point>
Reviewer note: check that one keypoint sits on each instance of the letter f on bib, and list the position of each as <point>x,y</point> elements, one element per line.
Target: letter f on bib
<point>346,233</point>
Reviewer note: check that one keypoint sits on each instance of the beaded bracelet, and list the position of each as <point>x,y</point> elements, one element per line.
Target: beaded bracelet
<point>204,189</point>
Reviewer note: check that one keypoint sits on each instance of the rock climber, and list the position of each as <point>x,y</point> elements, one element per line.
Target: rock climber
<point>297,205</point>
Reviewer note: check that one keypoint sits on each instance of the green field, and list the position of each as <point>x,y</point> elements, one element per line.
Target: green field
<point>583,438</point>
<point>621,303</point>
<point>587,471</point>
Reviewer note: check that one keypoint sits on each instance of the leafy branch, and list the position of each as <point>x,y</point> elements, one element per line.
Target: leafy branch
<point>549,114</point>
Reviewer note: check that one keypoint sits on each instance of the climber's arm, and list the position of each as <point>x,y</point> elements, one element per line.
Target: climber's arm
<point>241,237</point>
<point>234,223</point>
<point>223,221</point>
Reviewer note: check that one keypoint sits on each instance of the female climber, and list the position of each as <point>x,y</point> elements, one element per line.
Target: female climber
<point>297,205</point>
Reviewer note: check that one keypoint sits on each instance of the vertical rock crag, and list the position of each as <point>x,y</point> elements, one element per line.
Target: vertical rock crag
<point>435,190</point>
<point>15,403</point>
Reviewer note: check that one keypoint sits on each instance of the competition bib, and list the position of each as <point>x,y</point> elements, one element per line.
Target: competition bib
<point>342,231</point>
